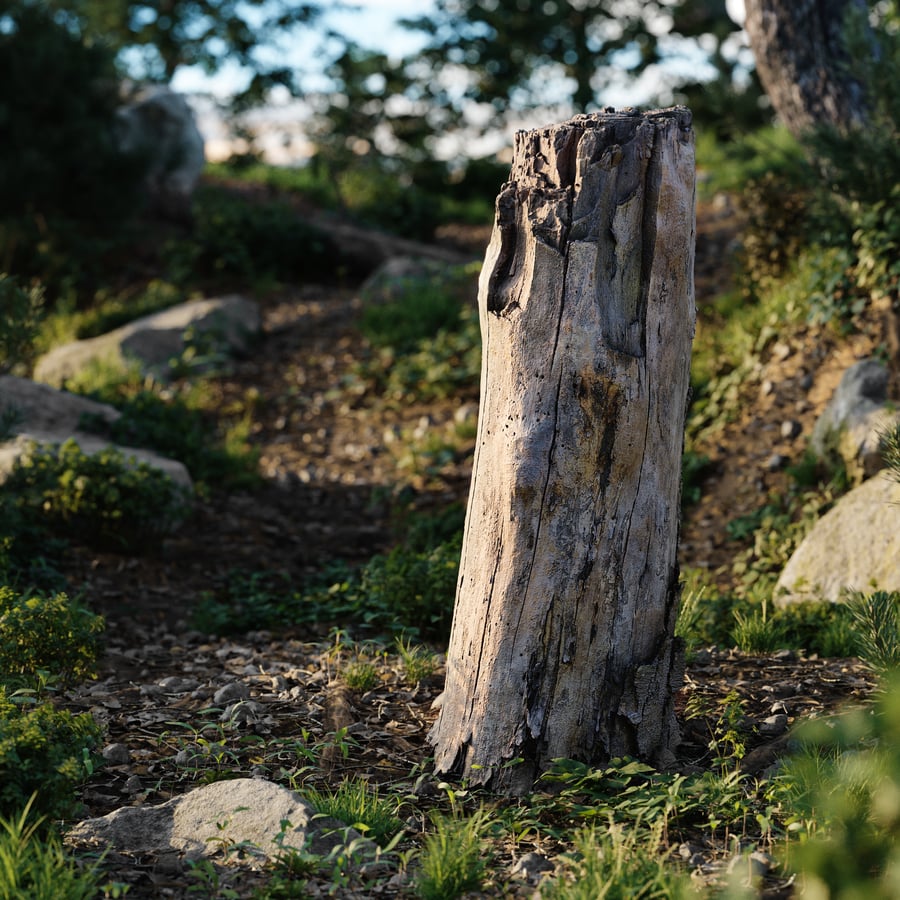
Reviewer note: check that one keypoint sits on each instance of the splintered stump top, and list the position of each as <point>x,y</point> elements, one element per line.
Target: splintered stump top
<point>562,641</point>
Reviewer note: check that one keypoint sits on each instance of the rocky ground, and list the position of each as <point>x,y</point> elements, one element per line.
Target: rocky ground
<point>328,473</point>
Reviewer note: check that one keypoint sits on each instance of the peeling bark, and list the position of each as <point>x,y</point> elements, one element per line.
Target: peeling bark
<point>562,642</point>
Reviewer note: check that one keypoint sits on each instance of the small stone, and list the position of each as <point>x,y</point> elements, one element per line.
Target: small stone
<point>790,429</point>
<point>754,866</point>
<point>133,785</point>
<point>806,382</point>
<point>183,758</point>
<point>116,754</point>
<point>154,691</point>
<point>766,388</point>
<point>243,711</point>
<point>776,461</point>
<point>781,351</point>
<point>237,690</point>
<point>176,684</point>
<point>530,867</point>
<point>772,726</point>
<point>779,708</point>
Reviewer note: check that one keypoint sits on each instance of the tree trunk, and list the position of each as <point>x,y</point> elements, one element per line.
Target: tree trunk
<point>801,60</point>
<point>562,642</point>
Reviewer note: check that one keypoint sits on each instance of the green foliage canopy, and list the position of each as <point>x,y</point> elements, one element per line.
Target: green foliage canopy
<point>155,39</point>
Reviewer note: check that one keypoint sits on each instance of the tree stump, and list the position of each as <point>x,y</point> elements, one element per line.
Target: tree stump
<point>563,633</point>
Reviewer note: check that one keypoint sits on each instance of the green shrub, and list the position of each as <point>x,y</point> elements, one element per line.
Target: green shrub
<point>876,622</point>
<point>616,863</point>
<point>453,861</point>
<point>386,200</point>
<point>54,633</point>
<point>857,163</point>
<point>34,865</point>
<point>694,468</point>
<point>446,365</point>
<point>19,322</point>
<point>358,804</point>
<point>65,188</point>
<point>774,531</point>
<point>876,242</point>
<point>112,310</point>
<point>45,752</point>
<point>709,618</point>
<point>843,789</point>
<point>413,316</point>
<point>890,451</point>
<point>402,593</point>
<point>252,600</point>
<point>776,226</point>
<point>235,240</point>
<point>402,312</point>
<point>102,499</point>
<point>173,427</point>
<point>405,592</point>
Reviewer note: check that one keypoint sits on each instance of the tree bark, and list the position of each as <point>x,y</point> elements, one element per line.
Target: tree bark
<point>801,60</point>
<point>562,641</point>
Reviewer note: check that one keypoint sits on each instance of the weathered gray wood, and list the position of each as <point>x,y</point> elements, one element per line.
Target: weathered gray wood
<point>562,642</point>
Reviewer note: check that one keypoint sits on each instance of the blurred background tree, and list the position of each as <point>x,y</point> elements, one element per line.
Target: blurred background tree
<point>565,56</point>
<point>64,185</point>
<point>153,39</point>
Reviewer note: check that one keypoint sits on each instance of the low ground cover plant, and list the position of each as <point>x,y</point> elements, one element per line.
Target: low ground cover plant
<point>424,336</point>
<point>53,634</point>
<point>179,423</point>
<point>46,643</point>
<point>102,499</point>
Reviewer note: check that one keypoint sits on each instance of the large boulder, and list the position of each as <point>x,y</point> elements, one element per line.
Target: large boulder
<point>159,125</point>
<point>38,413</point>
<point>222,325</point>
<point>854,546</point>
<point>856,417</point>
<point>262,817</point>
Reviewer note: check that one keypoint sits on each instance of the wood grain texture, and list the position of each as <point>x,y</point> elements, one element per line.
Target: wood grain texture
<point>562,642</point>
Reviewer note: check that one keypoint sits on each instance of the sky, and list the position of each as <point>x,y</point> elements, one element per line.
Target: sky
<point>374,25</point>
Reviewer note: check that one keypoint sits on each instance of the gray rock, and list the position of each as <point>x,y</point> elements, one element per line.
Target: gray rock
<point>772,726</point>
<point>202,821</point>
<point>398,276</point>
<point>854,546</point>
<point>133,784</point>
<point>159,124</point>
<point>790,429</point>
<point>229,323</point>
<point>236,690</point>
<point>46,416</point>
<point>116,754</point>
<point>855,418</point>
<point>776,461</point>
<point>530,867</point>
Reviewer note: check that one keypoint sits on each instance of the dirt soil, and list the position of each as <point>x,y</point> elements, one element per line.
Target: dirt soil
<point>328,472</point>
